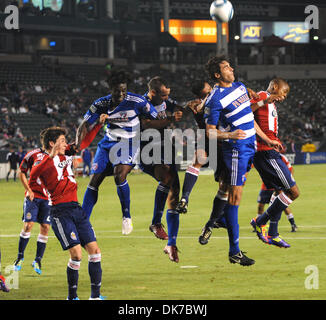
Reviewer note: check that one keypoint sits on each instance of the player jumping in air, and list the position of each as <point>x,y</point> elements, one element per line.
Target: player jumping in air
<point>120,110</point>
<point>200,89</point>
<point>229,104</point>
<point>69,221</point>
<point>272,169</point>
<point>165,173</point>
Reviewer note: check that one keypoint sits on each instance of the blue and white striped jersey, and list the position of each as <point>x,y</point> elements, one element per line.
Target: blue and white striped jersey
<point>123,121</point>
<point>166,106</point>
<point>228,108</point>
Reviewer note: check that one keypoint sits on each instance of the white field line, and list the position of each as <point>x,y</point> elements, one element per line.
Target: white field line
<point>109,234</point>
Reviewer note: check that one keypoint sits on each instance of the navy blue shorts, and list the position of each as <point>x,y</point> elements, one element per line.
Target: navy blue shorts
<point>221,170</point>
<point>265,196</point>
<point>109,154</point>
<point>238,162</point>
<point>71,225</point>
<point>273,171</point>
<point>150,168</point>
<point>37,210</point>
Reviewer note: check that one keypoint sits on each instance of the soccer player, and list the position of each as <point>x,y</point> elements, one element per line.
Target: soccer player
<point>200,89</point>
<point>120,110</point>
<point>3,286</point>
<point>36,209</point>
<point>166,174</point>
<point>267,195</point>
<point>13,161</point>
<point>229,103</point>
<point>272,169</point>
<point>69,221</point>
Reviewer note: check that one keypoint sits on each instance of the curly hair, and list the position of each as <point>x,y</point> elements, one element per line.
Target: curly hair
<point>117,77</point>
<point>213,65</point>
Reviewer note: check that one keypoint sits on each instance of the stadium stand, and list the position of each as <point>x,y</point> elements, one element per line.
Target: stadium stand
<point>36,96</point>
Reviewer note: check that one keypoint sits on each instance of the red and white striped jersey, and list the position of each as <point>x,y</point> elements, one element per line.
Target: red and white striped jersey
<point>32,158</point>
<point>267,119</point>
<point>58,178</point>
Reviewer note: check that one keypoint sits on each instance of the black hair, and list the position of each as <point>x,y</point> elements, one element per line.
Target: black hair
<point>213,65</point>
<point>51,134</point>
<point>117,77</point>
<point>280,82</point>
<point>156,83</point>
<point>197,87</point>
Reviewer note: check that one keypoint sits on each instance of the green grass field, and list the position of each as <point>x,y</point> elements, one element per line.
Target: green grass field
<point>135,267</point>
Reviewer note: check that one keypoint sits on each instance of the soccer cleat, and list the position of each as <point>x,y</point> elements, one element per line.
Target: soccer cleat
<point>73,299</point>
<point>127,226</point>
<point>294,228</point>
<point>3,286</point>
<point>260,230</point>
<point>172,252</point>
<point>18,264</point>
<point>277,241</point>
<point>241,259</point>
<point>98,298</point>
<point>158,230</point>
<point>205,235</point>
<point>37,267</point>
<point>182,206</point>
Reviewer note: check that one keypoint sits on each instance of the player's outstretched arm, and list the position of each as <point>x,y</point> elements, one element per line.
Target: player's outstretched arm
<point>81,133</point>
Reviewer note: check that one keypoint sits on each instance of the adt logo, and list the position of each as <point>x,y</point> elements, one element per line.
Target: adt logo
<point>252,32</point>
<point>12,21</point>
<point>312,21</point>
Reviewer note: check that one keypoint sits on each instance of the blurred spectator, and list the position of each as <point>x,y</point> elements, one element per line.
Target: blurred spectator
<point>13,161</point>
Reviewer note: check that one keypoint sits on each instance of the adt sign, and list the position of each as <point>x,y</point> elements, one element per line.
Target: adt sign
<point>12,20</point>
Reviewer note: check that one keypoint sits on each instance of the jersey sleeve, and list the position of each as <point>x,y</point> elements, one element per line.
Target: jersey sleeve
<point>212,112</point>
<point>25,165</point>
<point>97,108</point>
<point>148,110</point>
<point>262,96</point>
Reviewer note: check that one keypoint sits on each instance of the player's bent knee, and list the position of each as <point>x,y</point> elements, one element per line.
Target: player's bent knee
<point>44,228</point>
<point>28,226</point>
<point>76,253</point>
<point>92,248</point>
<point>293,193</point>
<point>96,181</point>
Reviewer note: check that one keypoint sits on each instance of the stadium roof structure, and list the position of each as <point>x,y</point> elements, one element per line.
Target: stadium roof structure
<point>274,41</point>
